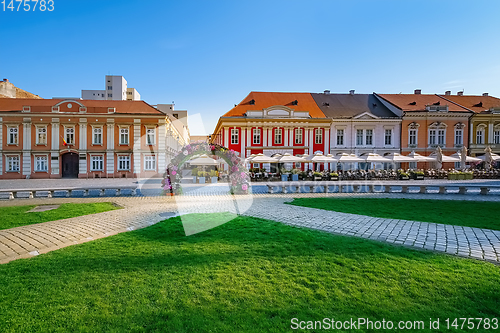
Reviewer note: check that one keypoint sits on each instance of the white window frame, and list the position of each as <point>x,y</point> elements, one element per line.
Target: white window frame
<point>99,159</point>
<point>459,137</point>
<point>9,159</point>
<point>412,133</point>
<point>95,130</point>
<point>340,137</point>
<point>432,136</point>
<point>150,134</point>
<point>38,162</point>
<point>149,159</point>
<point>318,136</point>
<point>278,134</point>
<point>234,136</point>
<point>359,137</point>
<point>13,138</point>
<point>123,159</point>
<point>441,136</point>
<point>496,136</point>
<point>480,132</point>
<point>41,132</point>
<point>67,134</point>
<point>369,137</point>
<point>298,136</point>
<point>123,135</point>
<point>388,137</point>
<point>256,136</point>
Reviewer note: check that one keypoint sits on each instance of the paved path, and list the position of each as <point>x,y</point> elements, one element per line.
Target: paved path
<point>27,241</point>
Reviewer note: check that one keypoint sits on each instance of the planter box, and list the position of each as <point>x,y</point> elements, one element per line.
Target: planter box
<point>194,179</point>
<point>201,180</point>
<point>461,177</point>
<point>284,178</point>
<point>404,178</point>
<point>295,177</point>
<point>317,178</point>
<point>452,177</point>
<point>213,180</point>
<point>469,176</point>
<point>334,178</point>
<point>417,177</point>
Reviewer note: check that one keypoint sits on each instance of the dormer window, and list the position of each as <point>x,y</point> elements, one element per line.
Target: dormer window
<point>295,102</point>
<point>437,107</point>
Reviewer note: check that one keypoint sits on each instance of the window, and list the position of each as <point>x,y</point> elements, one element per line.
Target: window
<point>256,136</point>
<point>110,95</point>
<point>412,137</point>
<point>388,137</point>
<point>12,135</point>
<point>277,136</point>
<point>41,135</point>
<point>318,136</point>
<point>359,137</point>
<point>124,162</point>
<point>432,137</point>
<point>110,87</point>
<point>340,137</point>
<point>480,135</point>
<point>150,163</point>
<point>497,137</point>
<point>69,134</point>
<point>458,137</point>
<point>97,163</point>
<point>41,163</point>
<point>150,136</point>
<point>97,135</point>
<point>441,137</point>
<point>369,137</point>
<point>298,136</point>
<point>256,165</point>
<point>124,136</point>
<point>234,136</point>
<point>12,163</point>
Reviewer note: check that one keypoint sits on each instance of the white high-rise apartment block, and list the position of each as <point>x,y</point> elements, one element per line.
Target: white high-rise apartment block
<point>115,90</point>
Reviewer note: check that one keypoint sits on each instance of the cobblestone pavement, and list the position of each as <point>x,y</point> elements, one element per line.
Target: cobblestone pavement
<point>139,212</point>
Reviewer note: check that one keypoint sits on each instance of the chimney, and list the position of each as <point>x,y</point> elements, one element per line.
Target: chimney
<point>485,94</point>
<point>418,91</point>
<point>351,92</point>
<point>327,92</point>
<point>447,92</point>
<point>5,80</point>
<point>460,93</point>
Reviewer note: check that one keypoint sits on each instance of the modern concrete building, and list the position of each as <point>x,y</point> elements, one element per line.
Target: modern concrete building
<point>116,89</point>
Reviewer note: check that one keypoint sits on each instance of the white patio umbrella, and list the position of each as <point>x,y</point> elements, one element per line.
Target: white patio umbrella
<point>249,158</point>
<point>398,158</point>
<point>349,158</point>
<point>203,160</point>
<point>460,156</point>
<point>444,158</point>
<point>374,158</point>
<point>494,157</point>
<point>261,158</point>
<point>287,158</point>
<point>320,158</point>
<point>421,158</point>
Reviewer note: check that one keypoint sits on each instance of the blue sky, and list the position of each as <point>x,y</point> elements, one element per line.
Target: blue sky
<point>207,56</point>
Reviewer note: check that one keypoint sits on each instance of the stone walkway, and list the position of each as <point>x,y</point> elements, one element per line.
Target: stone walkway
<point>28,241</point>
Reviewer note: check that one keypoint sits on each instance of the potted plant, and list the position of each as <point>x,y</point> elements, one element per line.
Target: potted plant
<point>194,172</point>
<point>284,174</point>
<point>403,175</point>
<point>303,175</point>
<point>334,176</point>
<point>295,174</point>
<point>317,175</point>
<point>417,175</point>
<point>213,176</point>
<point>201,177</point>
<point>468,175</point>
<point>453,175</point>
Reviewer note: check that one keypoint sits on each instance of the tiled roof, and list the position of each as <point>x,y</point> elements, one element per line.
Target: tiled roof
<point>263,100</point>
<point>348,106</point>
<point>418,102</point>
<point>45,105</point>
<point>474,103</point>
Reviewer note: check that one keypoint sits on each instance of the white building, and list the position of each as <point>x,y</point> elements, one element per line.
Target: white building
<point>115,90</point>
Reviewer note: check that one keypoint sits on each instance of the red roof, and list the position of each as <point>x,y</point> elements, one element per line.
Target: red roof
<point>474,103</point>
<point>418,102</point>
<point>45,105</point>
<point>262,100</point>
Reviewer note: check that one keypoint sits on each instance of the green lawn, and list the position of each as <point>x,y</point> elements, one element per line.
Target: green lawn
<point>16,216</point>
<point>465,213</point>
<point>248,275</point>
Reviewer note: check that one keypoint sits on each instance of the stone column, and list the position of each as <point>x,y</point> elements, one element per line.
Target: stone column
<point>326,137</point>
<point>490,134</point>
<point>162,149</point>
<point>82,165</point>
<point>226,137</point>
<point>264,136</point>
<point>110,147</point>
<point>242,143</point>
<point>26,161</point>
